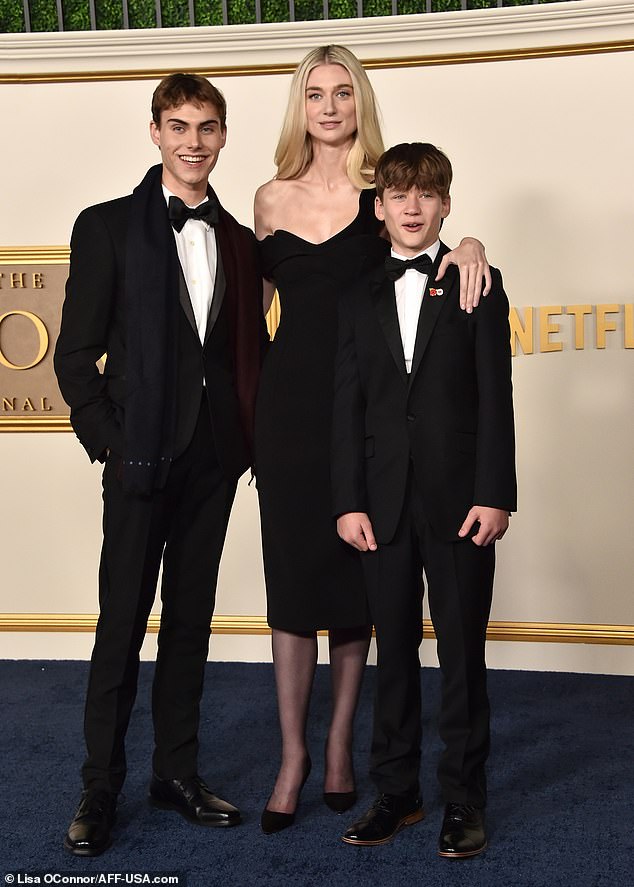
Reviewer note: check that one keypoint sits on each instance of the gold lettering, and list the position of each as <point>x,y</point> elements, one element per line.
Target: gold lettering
<point>9,405</point>
<point>579,312</point>
<point>17,280</point>
<point>521,333</point>
<point>603,325</point>
<point>547,329</point>
<point>628,331</point>
<point>43,340</point>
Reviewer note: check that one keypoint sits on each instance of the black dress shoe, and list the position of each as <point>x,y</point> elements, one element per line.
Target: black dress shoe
<point>387,816</point>
<point>193,800</point>
<point>462,833</point>
<point>89,832</point>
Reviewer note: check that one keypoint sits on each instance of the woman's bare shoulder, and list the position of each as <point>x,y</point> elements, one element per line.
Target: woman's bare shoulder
<point>271,204</point>
<point>277,189</point>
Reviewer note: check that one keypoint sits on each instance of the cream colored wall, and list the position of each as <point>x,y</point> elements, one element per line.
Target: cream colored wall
<point>543,176</point>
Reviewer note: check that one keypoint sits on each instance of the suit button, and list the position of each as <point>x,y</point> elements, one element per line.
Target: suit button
<point>411,417</point>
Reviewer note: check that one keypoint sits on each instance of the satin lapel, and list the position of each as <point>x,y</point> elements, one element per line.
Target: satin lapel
<point>385,305</point>
<point>220,285</point>
<point>183,298</point>
<point>430,309</point>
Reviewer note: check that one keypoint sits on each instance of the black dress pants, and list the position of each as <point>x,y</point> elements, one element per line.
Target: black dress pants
<point>460,582</point>
<point>184,525</point>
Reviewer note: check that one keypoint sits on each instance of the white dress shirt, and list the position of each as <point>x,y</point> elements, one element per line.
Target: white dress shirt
<point>409,290</point>
<point>198,255</point>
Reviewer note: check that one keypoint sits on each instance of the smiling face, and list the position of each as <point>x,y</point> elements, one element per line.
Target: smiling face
<point>190,138</point>
<point>331,115</point>
<point>412,217</point>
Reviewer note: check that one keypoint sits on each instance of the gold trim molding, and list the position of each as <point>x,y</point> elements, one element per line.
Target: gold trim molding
<point>417,61</point>
<point>24,255</point>
<point>41,423</point>
<point>538,632</point>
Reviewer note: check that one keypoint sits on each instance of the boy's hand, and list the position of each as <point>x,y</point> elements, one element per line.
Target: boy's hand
<point>473,266</point>
<point>494,523</point>
<point>355,528</point>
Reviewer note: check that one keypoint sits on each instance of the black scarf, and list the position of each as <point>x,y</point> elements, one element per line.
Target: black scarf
<point>151,292</point>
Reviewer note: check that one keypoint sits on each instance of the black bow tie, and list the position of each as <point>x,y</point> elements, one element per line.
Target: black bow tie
<point>394,268</point>
<point>179,212</point>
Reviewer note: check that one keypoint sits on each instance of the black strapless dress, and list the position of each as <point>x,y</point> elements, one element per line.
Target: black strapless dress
<point>313,579</point>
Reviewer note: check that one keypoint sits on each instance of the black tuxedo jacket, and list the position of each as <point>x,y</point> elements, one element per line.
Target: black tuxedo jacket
<point>451,419</point>
<point>94,324</point>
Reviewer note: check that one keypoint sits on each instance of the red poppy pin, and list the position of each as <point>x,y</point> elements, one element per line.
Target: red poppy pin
<point>433,292</point>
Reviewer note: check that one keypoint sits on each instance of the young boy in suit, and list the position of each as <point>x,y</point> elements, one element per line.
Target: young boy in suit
<point>423,477</point>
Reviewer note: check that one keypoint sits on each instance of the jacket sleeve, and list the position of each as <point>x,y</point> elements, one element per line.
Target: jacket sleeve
<point>263,331</point>
<point>83,339</point>
<point>347,458</point>
<point>495,482</point>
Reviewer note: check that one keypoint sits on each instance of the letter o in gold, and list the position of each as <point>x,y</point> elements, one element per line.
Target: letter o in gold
<point>42,334</point>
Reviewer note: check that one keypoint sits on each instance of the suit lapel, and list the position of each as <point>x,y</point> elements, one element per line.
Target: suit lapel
<point>220,285</point>
<point>430,310</point>
<point>385,305</point>
<point>183,298</point>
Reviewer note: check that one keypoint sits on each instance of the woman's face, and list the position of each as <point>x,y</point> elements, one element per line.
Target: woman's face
<point>330,108</point>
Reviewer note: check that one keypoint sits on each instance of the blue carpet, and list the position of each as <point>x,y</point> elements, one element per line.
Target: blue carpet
<point>561,786</point>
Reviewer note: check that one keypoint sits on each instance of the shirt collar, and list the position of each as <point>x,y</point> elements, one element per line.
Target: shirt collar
<point>167,194</point>
<point>432,252</point>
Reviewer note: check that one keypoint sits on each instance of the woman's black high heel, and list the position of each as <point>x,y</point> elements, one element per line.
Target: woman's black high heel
<point>273,821</point>
<point>339,802</point>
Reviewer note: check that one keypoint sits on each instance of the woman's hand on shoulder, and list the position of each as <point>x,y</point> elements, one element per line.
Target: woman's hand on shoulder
<point>474,269</point>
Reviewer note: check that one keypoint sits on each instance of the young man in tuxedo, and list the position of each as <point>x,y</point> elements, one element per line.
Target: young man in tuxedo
<point>423,477</point>
<point>166,284</point>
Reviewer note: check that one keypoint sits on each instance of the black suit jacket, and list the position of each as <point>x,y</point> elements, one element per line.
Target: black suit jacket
<point>451,418</point>
<point>94,324</point>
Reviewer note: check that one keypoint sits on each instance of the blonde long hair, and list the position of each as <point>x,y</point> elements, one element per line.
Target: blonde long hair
<point>294,152</point>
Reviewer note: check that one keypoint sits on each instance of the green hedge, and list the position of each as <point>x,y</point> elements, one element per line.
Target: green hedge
<point>175,13</point>
<point>11,17</point>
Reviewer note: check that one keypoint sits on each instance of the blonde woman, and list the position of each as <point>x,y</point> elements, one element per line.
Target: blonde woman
<point>317,230</point>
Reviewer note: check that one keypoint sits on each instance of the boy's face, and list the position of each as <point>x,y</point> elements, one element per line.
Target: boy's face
<point>189,138</point>
<point>412,218</point>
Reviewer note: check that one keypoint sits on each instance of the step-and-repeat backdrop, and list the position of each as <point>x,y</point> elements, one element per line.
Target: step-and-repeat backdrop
<point>530,111</point>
